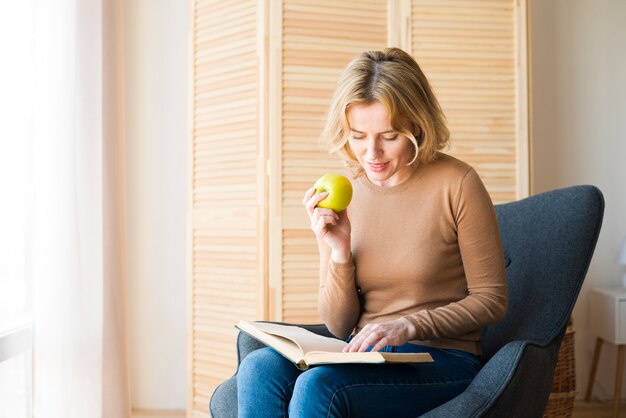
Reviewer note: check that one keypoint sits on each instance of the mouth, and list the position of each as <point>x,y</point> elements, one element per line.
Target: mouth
<point>378,167</point>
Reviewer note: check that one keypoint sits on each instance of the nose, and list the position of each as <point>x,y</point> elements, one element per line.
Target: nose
<point>374,150</point>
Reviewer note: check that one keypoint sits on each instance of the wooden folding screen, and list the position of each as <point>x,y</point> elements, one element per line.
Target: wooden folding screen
<point>263,72</point>
<point>227,218</point>
<point>473,53</point>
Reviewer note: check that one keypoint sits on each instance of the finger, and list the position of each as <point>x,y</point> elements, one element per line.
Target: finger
<point>372,339</point>
<point>325,212</point>
<point>381,344</point>
<point>327,218</point>
<point>322,224</point>
<point>307,195</point>
<point>320,196</point>
<point>351,344</point>
<point>358,340</point>
<point>348,348</point>
<point>314,200</point>
<point>361,337</point>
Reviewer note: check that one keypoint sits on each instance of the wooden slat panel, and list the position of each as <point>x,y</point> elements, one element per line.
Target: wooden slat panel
<point>300,276</point>
<point>319,39</point>
<point>225,223</point>
<point>467,50</point>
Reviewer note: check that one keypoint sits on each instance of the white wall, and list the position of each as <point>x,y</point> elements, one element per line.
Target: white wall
<point>578,68</point>
<point>156,63</point>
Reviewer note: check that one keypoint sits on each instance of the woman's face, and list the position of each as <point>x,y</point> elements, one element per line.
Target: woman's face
<point>382,152</point>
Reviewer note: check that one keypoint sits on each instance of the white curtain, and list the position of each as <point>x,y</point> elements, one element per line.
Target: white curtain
<point>79,348</point>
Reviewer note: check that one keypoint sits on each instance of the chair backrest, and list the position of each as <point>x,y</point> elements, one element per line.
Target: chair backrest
<point>548,241</point>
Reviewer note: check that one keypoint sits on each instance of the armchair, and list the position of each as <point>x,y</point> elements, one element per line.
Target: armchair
<point>548,242</point>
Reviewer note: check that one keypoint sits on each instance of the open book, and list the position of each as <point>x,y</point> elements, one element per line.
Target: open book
<point>305,348</point>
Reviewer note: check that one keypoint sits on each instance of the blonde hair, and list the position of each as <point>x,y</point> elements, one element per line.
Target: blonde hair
<point>393,78</point>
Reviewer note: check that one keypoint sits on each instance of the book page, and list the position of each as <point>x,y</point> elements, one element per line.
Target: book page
<point>307,340</point>
<point>314,358</point>
<point>306,348</point>
<point>285,346</point>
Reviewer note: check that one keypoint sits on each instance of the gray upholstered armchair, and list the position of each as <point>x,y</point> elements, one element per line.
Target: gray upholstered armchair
<point>548,242</point>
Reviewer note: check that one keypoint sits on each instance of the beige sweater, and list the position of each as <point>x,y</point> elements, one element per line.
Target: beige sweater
<point>427,250</point>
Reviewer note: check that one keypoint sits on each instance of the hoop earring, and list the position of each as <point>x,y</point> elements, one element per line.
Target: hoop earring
<point>417,153</point>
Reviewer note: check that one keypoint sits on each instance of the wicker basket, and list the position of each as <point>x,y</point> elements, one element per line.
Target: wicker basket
<point>561,401</point>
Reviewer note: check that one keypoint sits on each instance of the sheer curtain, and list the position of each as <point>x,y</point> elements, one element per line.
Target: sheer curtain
<point>79,345</point>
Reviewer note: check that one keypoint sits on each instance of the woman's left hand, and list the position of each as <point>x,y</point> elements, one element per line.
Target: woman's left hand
<point>396,332</point>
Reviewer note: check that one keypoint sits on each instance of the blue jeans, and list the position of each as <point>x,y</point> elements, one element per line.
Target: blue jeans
<point>268,385</point>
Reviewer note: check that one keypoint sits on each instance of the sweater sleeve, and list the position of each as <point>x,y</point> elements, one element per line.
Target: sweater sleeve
<point>483,262</point>
<point>339,304</point>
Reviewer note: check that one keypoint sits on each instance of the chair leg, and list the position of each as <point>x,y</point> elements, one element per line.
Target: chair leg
<point>618,380</point>
<point>594,368</point>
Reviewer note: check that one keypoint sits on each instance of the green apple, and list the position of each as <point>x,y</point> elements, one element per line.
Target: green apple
<point>339,191</point>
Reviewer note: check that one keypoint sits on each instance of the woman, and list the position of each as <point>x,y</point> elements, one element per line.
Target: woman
<point>414,264</point>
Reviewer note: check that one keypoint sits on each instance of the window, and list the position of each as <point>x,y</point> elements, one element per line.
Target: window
<point>16,134</point>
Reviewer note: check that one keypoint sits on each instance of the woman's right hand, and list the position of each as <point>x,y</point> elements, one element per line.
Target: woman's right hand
<point>329,227</point>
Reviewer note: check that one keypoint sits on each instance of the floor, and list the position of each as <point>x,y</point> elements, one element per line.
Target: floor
<point>153,413</point>
<point>581,410</point>
<point>596,410</point>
